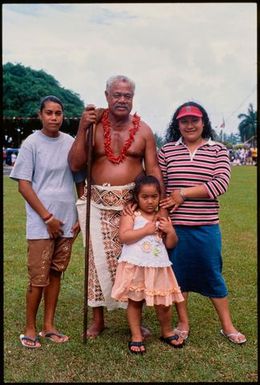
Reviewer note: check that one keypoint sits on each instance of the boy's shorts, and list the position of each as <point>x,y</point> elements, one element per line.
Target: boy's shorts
<point>46,254</point>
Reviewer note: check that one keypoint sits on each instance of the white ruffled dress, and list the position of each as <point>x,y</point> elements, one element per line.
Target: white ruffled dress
<point>144,272</point>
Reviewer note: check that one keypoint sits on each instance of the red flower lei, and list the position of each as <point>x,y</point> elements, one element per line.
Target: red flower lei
<point>107,138</point>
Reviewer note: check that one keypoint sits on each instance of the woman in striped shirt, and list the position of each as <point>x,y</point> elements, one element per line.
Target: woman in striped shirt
<point>196,170</point>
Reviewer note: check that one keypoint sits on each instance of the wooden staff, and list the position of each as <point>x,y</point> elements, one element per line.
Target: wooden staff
<point>90,145</point>
<point>87,238</point>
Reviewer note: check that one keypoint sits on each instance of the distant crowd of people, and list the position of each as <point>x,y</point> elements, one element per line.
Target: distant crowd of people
<point>243,156</point>
<point>238,157</point>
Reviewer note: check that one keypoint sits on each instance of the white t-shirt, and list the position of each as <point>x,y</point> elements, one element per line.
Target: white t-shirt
<point>42,160</point>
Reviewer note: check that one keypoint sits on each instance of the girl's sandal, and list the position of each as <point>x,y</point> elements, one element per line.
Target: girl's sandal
<point>168,340</point>
<point>138,344</point>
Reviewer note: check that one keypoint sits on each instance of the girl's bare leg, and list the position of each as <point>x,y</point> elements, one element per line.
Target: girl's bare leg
<point>134,316</point>
<point>164,315</point>
<point>183,319</point>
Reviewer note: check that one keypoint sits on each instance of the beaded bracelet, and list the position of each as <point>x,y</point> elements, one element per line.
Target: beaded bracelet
<point>47,217</point>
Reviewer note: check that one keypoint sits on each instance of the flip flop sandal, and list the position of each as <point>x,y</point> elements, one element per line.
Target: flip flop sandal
<point>35,340</point>
<point>49,336</point>
<point>232,337</point>
<point>168,340</point>
<point>184,334</point>
<point>139,344</point>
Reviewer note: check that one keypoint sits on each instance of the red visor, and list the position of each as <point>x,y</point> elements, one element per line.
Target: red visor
<point>189,110</point>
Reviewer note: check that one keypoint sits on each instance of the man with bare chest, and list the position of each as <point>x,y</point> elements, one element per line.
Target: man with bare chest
<point>124,147</point>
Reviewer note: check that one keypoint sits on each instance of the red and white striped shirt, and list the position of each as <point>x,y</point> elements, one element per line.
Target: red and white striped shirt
<point>208,165</point>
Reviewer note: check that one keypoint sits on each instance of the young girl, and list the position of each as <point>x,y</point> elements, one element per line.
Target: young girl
<point>144,271</point>
<point>48,187</point>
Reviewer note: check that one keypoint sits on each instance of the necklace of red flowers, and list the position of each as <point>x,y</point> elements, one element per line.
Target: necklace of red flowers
<point>107,138</point>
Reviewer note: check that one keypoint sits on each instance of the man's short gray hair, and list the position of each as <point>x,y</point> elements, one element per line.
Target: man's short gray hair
<point>119,78</point>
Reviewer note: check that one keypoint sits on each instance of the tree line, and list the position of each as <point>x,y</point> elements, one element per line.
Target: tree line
<point>24,87</point>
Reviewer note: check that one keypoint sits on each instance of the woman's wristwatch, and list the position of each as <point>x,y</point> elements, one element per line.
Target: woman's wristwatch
<point>182,194</point>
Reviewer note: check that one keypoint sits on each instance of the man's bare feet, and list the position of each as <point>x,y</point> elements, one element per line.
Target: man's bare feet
<point>94,330</point>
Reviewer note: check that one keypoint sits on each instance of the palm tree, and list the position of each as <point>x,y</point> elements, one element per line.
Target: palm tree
<point>247,127</point>
<point>159,141</point>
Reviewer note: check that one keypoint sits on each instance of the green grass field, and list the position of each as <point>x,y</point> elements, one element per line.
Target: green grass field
<point>207,357</point>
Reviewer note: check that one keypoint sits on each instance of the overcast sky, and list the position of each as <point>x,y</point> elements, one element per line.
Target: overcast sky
<point>175,52</point>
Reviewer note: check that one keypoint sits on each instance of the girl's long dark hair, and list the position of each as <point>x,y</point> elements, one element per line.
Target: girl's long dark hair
<point>143,180</point>
<point>173,132</point>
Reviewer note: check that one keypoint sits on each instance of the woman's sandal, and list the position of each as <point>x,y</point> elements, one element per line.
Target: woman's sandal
<point>168,340</point>
<point>184,334</point>
<point>138,344</point>
<point>233,337</point>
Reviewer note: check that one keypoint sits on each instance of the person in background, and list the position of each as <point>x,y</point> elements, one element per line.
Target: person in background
<point>196,170</point>
<point>47,185</point>
<point>4,155</point>
<point>13,158</point>
<point>254,155</point>
<point>124,147</point>
<point>144,273</point>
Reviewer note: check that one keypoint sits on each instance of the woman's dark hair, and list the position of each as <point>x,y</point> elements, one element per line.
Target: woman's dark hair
<point>50,98</point>
<point>143,180</point>
<point>173,132</point>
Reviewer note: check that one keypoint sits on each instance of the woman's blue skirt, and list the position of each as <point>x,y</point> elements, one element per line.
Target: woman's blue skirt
<point>197,260</point>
